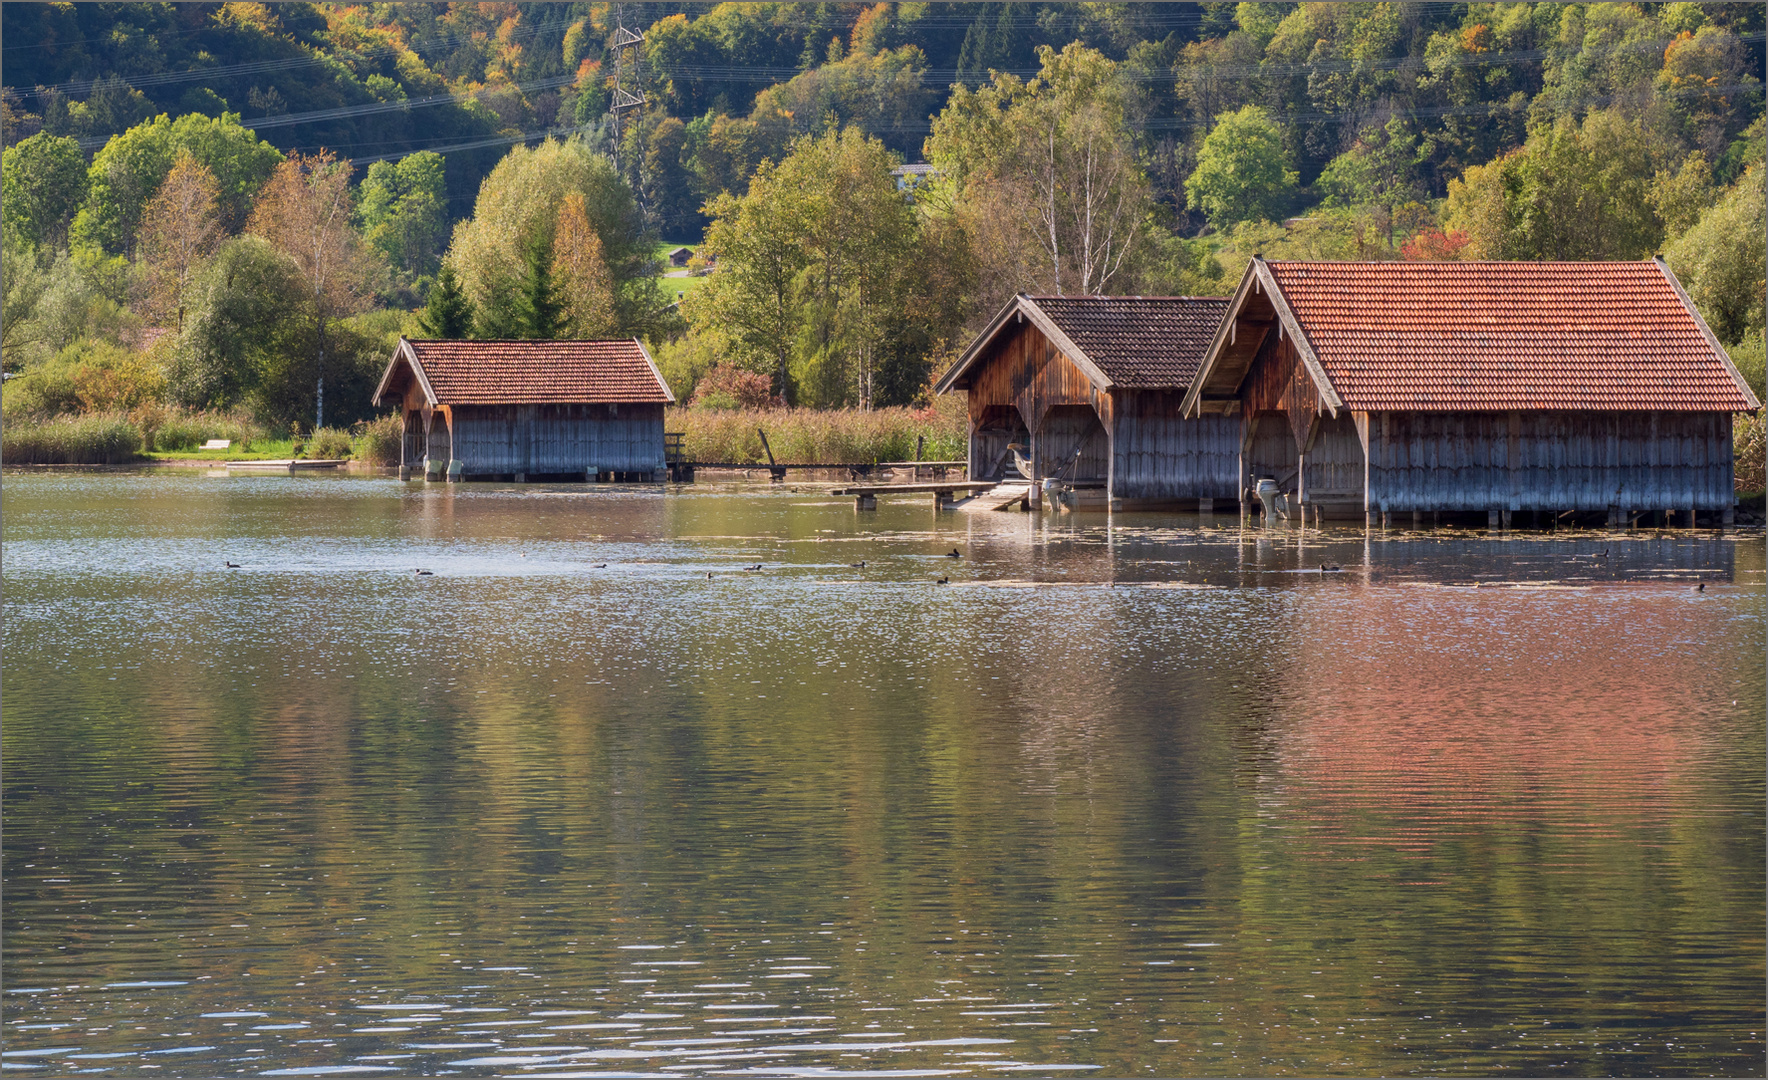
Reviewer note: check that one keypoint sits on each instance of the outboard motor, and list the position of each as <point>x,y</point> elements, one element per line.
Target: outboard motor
<point>1273,500</point>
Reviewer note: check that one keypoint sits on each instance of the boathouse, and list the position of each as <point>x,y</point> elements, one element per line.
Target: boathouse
<point>1086,392</point>
<point>1545,388</point>
<point>528,410</point>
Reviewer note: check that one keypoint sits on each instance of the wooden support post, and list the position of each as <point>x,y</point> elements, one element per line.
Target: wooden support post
<point>1371,518</point>
<point>521,478</point>
<point>1415,520</point>
<point>1206,507</point>
<point>1387,520</point>
<point>405,472</point>
<point>1729,517</point>
<point>1691,517</point>
<point>942,500</point>
<point>1504,519</point>
<point>865,502</point>
<point>1492,521</point>
<point>1614,516</point>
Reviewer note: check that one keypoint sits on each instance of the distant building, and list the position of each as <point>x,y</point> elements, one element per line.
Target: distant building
<point>528,410</point>
<point>1552,389</point>
<point>909,177</point>
<point>680,256</point>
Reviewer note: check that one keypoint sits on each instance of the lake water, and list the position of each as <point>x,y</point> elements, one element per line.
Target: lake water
<point>1139,796</point>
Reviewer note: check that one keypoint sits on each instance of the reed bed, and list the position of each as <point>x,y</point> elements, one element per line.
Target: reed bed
<point>94,439</point>
<point>832,436</point>
<point>176,430</point>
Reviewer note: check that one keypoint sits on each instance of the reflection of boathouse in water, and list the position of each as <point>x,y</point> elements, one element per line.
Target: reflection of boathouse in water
<point>1545,388</point>
<point>1085,390</point>
<point>528,410</point>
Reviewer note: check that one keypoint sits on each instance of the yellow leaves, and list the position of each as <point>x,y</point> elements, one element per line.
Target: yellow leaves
<point>1476,38</point>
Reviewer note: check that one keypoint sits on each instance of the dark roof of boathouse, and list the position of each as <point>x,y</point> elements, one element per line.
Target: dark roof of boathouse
<point>1132,342</point>
<point>1469,336</point>
<point>526,373</point>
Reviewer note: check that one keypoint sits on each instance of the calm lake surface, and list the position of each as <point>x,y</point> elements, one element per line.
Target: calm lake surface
<point>1132,797</point>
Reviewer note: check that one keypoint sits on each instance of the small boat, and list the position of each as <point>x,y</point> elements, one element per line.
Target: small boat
<point>1021,463</point>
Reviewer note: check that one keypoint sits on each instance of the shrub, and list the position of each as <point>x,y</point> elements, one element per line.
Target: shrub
<point>726,387</point>
<point>178,430</point>
<point>108,439</point>
<point>1750,455</point>
<point>329,443</point>
<point>378,441</point>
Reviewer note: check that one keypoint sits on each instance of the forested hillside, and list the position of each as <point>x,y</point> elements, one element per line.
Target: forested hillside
<point>214,206</point>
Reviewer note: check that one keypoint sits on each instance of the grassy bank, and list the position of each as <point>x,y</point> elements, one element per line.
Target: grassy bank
<point>159,434</point>
<point>841,436</point>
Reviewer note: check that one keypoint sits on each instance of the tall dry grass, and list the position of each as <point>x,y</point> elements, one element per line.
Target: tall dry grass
<point>93,439</point>
<point>834,436</point>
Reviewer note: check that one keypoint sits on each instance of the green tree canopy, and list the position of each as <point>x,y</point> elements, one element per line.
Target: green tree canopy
<point>250,311</point>
<point>1242,171</point>
<point>1721,260</point>
<point>42,184</point>
<point>131,167</point>
<point>519,204</point>
<point>402,208</point>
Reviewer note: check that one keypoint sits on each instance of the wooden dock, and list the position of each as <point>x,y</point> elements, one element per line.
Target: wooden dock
<point>866,497</point>
<point>286,464</point>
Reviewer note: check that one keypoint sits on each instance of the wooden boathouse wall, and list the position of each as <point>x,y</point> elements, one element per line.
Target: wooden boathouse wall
<point>1160,456</point>
<point>1305,425</point>
<point>1550,460</point>
<point>528,410</point>
<point>1133,441</point>
<point>492,440</point>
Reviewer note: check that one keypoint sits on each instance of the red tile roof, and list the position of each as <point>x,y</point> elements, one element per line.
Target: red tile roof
<point>1471,335</point>
<point>538,372</point>
<point>1141,342</point>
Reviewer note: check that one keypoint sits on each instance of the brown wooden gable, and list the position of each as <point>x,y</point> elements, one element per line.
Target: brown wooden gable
<point>1026,370</point>
<point>1277,381</point>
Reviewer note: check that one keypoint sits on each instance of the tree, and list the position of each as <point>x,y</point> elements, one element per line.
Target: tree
<point>132,166</point>
<point>304,211</point>
<point>250,311</point>
<point>402,210</point>
<point>540,306</point>
<point>180,230</point>
<point>447,313</point>
<point>1046,176</point>
<point>42,183</point>
<point>519,203</point>
<point>1242,171</point>
<point>758,243</point>
<point>23,281</point>
<point>586,292</point>
<point>1574,191</point>
<point>1721,259</point>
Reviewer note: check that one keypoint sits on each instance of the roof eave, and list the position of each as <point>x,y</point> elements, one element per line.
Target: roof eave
<point>404,351</point>
<point>1062,341</point>
<point>1192,404</point>
<point>668,394</point>
<point>1724,357</point>
<point>1303,347</point>
<point>970,355</point>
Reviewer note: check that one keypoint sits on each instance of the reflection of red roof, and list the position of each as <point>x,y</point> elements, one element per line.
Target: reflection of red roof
<point>531,372</point>
<point>1470,335</point>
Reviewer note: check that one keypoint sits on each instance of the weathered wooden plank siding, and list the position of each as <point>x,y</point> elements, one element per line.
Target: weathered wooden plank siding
<point>1160,455</point>
<point>496,439</point>
<point>1271,451</point>
<point>1559,460</point>
<point>1066,429</point>
<point>1334,462</point>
